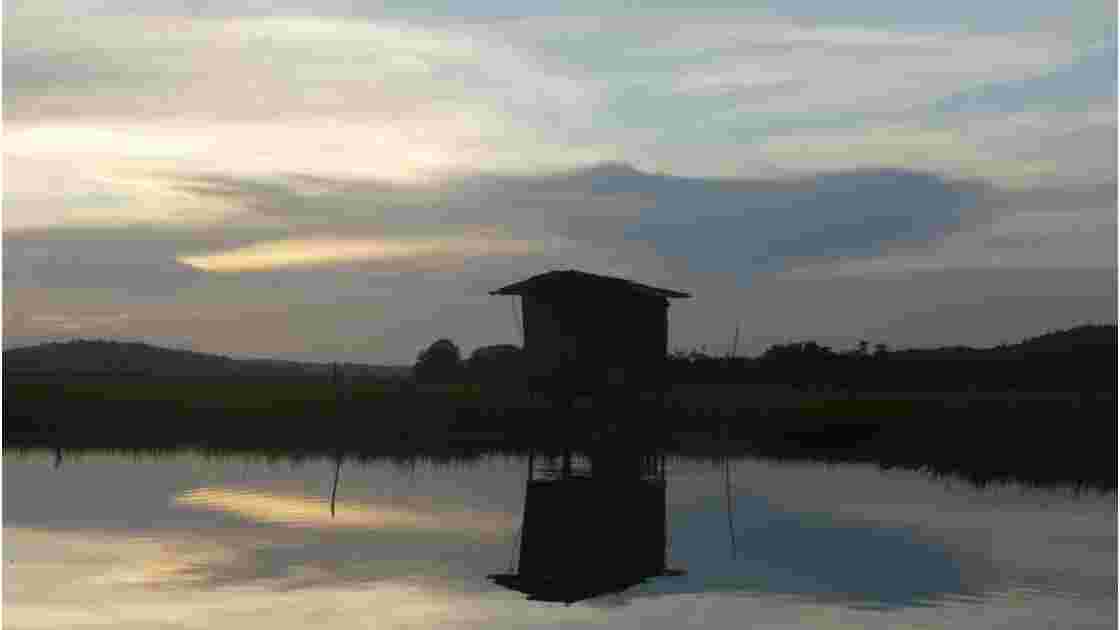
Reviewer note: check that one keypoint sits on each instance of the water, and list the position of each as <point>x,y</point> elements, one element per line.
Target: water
<point>187,541</point>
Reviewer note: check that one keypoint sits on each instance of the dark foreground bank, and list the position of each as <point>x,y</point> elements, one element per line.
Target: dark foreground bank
<point>1043,439</point>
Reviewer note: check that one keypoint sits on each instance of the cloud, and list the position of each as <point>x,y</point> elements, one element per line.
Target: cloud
<point>326,251</point>
<point>1070,239</point>
<point>408,258</point>
<point>403,99</point>
<point>611,217</point>
<point>1020,149</point>
<point>398,149</point>
<point>137,264</point>
<point>696,223</point>
<point>54,191</point>
<point>759,225</point>
<point>372,268</point>
<point>788,67</point>
<point>1089,78</point>
<point>281,67</point>
<point>741,64</point>
<point>112,96</point>
<point>79,323</point>
<point>380,171</point>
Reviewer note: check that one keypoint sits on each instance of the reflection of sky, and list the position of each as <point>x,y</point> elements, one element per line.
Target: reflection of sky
<point>187,542</point>
<point>777,552</point>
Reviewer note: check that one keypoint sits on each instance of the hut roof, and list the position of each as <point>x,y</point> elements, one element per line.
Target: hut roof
<point>574,283</point>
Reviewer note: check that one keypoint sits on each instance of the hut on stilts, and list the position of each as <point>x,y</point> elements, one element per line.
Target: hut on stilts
<point>591,335</point>
<point>595,517</point>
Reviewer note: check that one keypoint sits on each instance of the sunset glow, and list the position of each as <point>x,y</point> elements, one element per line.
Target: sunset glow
<point>326,251</point>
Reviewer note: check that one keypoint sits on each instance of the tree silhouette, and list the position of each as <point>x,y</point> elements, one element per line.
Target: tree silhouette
<point>862,348</point>
<point>439,363</point>
<point>492,363</point>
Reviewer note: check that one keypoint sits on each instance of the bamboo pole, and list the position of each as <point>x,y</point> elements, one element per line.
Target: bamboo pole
<point>334,487</point>
<point>727,492</point>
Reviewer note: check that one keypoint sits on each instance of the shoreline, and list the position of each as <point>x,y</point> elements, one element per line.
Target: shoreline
<point>1035,438</point>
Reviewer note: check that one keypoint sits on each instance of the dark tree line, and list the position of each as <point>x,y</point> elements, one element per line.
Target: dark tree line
<point>1082,359</point>
<point>442,362</point>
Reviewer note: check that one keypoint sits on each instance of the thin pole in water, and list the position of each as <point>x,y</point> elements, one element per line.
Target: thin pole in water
<point>668,535</point>
<point>336,381</point>
<point>334,488</point>
<point>727,491</point>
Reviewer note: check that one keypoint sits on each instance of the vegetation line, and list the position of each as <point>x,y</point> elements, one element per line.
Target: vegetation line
<point>1042,412</point>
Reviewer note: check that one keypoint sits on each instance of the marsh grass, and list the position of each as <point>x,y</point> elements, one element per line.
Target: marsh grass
<point>1038,438</point>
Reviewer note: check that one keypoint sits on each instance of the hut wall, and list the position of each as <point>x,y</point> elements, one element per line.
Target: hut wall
<point>595,338</point>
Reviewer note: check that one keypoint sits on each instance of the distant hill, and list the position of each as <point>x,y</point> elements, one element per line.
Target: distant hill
<point>1089,348</point>
<point>1081,338</point>
<point>102,357</point>
<point>1090,339</point>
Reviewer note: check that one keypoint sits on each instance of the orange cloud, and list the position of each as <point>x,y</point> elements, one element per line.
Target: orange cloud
<point>312,252</point>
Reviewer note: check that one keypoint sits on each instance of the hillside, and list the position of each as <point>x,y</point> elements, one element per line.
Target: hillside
<point>1090,350</point>
<point>1089,340</point>
<point>101,357</point>
<point>1090,337</point>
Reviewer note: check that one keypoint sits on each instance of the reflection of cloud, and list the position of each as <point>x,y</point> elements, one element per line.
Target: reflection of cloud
<point>65,579</point>
<point>95,559</point>
<point>323,251</point>
<point>303,511</point>
<point>167,567</point>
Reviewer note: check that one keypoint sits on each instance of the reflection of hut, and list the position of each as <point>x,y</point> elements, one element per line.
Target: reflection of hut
<point>584,331</point>
<point>591,531</point>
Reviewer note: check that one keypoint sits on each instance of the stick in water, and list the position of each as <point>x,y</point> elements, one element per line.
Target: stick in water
<point>334,488</point>
<point>727,487</point>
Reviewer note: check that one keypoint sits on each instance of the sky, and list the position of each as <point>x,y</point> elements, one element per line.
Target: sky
<point>347,181</point>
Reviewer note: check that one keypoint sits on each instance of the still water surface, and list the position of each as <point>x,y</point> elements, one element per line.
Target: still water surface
<point>190,541</point>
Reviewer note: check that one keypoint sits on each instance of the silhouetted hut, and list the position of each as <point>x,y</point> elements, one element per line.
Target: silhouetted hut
<point>583,332</point>
<point>589,532</point>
